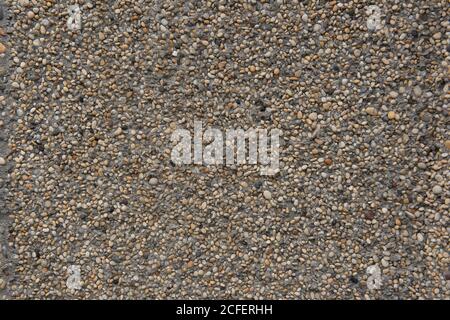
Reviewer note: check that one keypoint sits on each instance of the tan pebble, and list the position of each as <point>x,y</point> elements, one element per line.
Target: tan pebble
<point>392,115</point>
<point>252,68</point>
<point>2,48</point>
<point>371,111</point>
<point>267,195</point>
<point>327,105</point>
<point>393,94</point>
<point>276,71</point>
<point>118,131</point>
<point>447,144</point>
<point>417,91</point>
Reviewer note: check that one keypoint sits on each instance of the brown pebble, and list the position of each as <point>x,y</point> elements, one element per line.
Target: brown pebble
<point>369,215</point>
<point>328,162</point>
<point>371,111</point>
<point>447,275</point>
<point>2,48</point>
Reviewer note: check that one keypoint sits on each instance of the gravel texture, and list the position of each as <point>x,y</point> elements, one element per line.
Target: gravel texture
<point>359,209</point>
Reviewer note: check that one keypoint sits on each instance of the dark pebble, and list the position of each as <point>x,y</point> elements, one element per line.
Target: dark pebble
<point>354,280</point>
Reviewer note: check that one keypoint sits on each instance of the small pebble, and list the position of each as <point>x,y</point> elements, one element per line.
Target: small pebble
<point>447,144</point>
<point>417,91</point>
<point>393,94</point>
<point>437,189</point>
<point>371,111</point>
<point>392,115</point>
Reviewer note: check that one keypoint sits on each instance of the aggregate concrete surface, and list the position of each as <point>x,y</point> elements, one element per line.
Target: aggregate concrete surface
<point>93,207</point>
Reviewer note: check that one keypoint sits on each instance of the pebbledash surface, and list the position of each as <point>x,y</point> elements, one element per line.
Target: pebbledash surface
<point>93,206</point>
